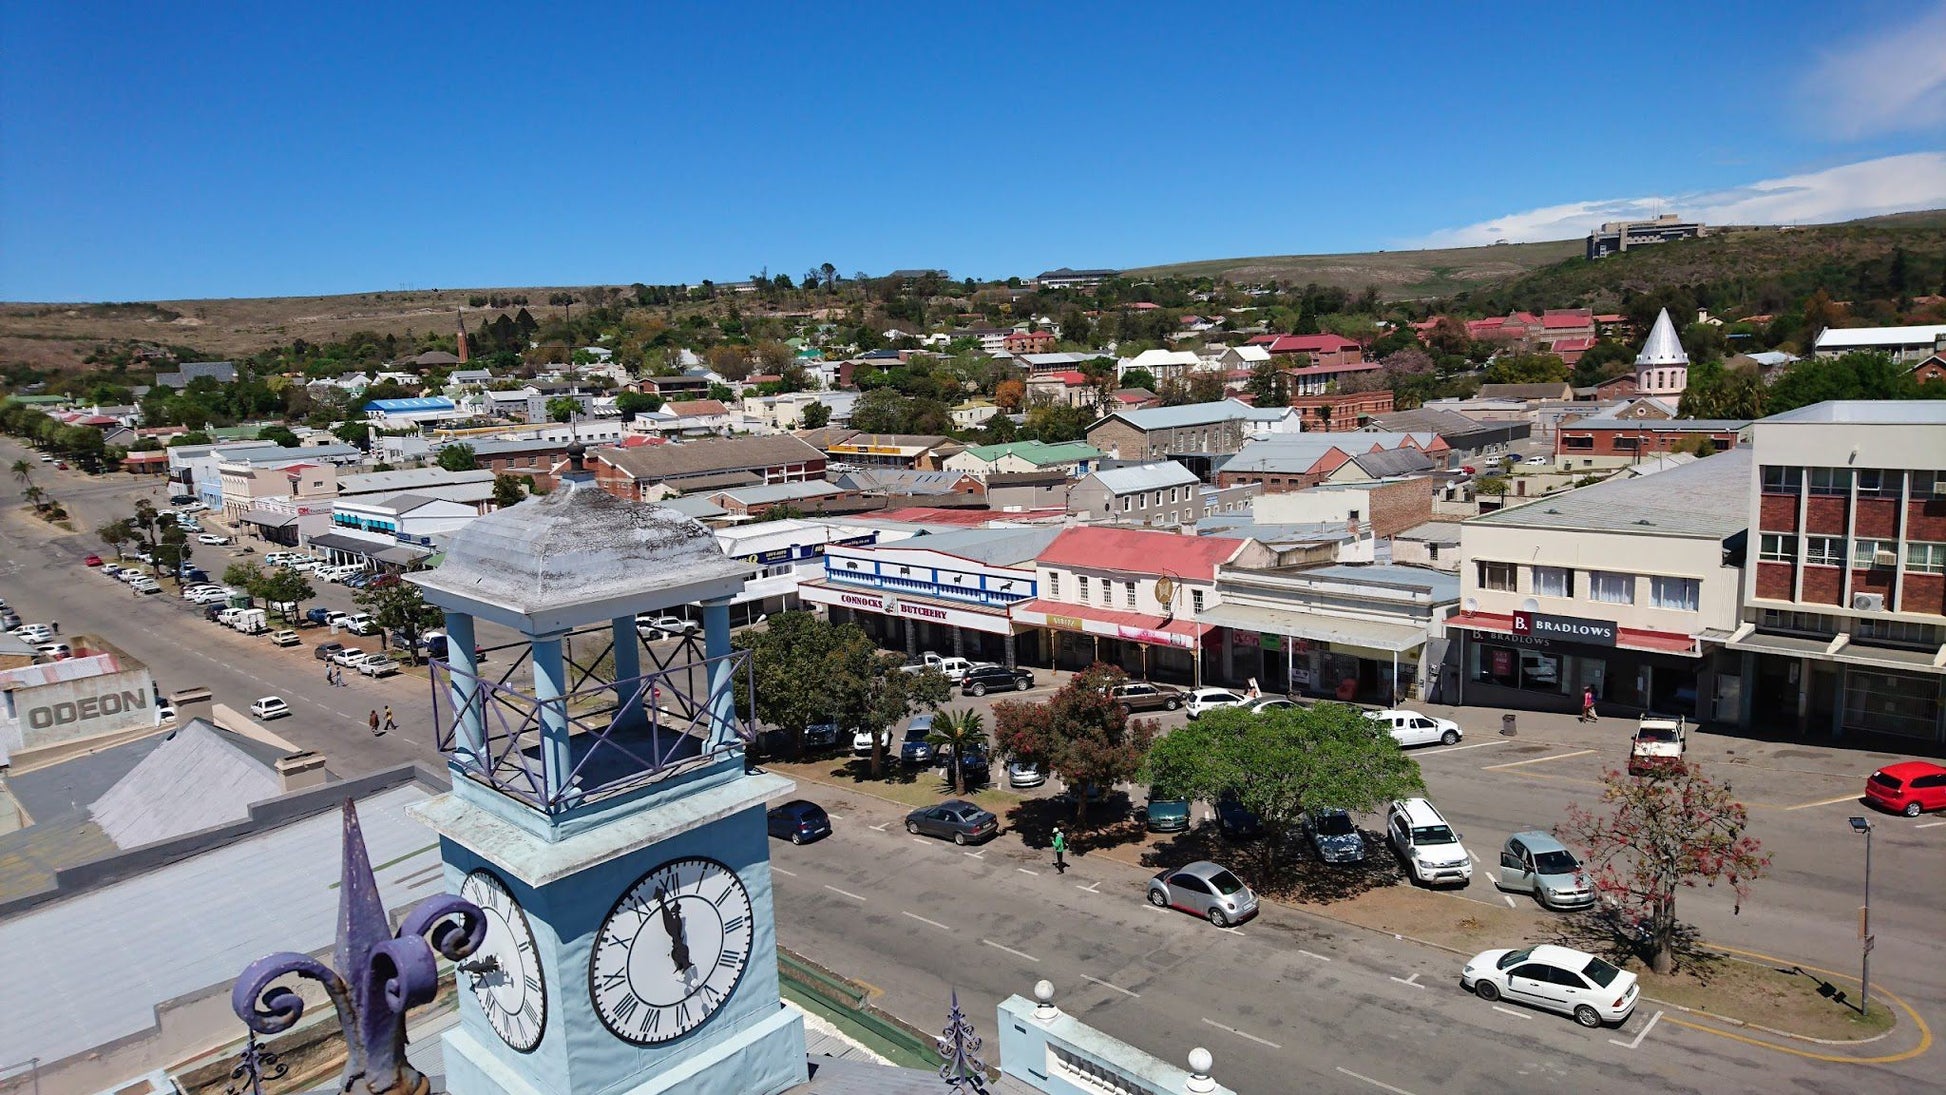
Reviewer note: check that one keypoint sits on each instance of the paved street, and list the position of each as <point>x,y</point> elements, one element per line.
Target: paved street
<point>1288,1001</point>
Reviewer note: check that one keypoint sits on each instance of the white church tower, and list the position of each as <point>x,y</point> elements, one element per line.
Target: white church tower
<point>1662,368</point>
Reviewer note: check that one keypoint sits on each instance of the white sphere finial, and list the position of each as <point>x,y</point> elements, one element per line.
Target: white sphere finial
<point>1044,992</point>
<point>1199,1077</point>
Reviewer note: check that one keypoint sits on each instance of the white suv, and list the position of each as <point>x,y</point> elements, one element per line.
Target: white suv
<point>1431,849</point>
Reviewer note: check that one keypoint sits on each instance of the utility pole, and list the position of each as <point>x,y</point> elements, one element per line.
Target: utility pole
<point>1866,940</point>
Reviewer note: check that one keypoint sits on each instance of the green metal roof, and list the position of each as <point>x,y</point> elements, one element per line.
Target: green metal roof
<point>1038,453</point>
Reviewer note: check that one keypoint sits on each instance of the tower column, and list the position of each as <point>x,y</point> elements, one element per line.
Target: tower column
<point>550,691</point>
<point>630,692</point>
<point>469,701</point>
<point>716,647</point>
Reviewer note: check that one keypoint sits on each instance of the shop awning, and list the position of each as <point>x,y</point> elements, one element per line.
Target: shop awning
<point>400,556</point>
<point>1371,634</point>
<point>267,519</point>
<point>1901,661</point>
<point>1626,638</point>
<point>1850,653</point>
<point>1785,646</point>
<point>990,619</point>
<point>336,542</point>
<point>1137,627</point>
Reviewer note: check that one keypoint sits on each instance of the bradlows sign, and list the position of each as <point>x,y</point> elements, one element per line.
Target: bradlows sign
<point>1534,625</point>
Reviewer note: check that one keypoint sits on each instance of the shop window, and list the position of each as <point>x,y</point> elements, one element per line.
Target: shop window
<point>1529,670</point>
<point>1905,704</point>
<point>1830,480</point>
<point>1553,582</point>
<point>1777,547</point>
<point>1681,594</point>
<point>1497,576</point>
<point>1866,554</point>
<point>1824,551</point>
<point>1924,558</point>
<point>1611,588</point>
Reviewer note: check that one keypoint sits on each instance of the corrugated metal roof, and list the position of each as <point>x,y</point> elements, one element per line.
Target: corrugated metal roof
<point>1710,498</point>
<point>67,669</point>
<point>1188,414</point>
<point>1140,477</point>
<point>193,780</point>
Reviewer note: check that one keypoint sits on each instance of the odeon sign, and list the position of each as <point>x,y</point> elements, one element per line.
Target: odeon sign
<point>65,712</point>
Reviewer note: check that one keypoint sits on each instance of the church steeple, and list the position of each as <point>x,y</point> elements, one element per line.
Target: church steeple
<point>1662,368</point>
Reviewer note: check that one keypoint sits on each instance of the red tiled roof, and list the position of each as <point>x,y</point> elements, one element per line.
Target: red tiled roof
<point>1322,370</point>
<point>1140,551</point>
<point>1571,345</point>
<point>1308,344</point>
<point>637,440</point>
<point>1566,321</point>
<point>1612,318</point>
<point>1143,306</point>
<point>1628,638</point>
<point>933,515</point>
<point>1262,340</point>
<point>1067,376</point>
<point>691,408</point>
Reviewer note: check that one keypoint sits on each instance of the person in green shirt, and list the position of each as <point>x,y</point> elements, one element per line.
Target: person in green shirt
<point>1060,852</point>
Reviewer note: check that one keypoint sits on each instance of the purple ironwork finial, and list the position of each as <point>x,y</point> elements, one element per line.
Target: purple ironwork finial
<point>380,974</point>
<point>958,1045</point>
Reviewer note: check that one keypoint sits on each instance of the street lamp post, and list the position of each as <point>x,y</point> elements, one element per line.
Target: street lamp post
<point>1864,825</point>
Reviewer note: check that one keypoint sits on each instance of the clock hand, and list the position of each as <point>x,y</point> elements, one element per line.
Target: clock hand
<point>481,966</point>
<point>672,924</point>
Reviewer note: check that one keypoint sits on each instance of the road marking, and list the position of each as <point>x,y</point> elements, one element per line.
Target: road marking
<point>1024,870</point>
<point>1930,825</point>
<point>1240,1034</point>
<point>1232,931</point>
<point>1443,750</point>
<point>1508,898</point>
<point>1380,1084</point>
<point>975,855</point>
<point>782,871</point>
<point>1536,760</point>
<point>923,920</point>
<point>880,828</point>
<point>1010,950</point>
<point>920,840</point>
<point>1641,1034</point>
<point>1106,985</point>
<point>843,893</point>
<point>1823,802</point>
<point>1474,858</point>
<point>1523,1015</point>
<point>834,817</point>
<point>1092,887</point>
<point>1413,981</point>
<point>1309,954</point>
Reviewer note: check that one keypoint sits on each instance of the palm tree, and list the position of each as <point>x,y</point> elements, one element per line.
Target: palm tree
<point>956,730</point>
<point>34,495</point>
<point>23,471</point>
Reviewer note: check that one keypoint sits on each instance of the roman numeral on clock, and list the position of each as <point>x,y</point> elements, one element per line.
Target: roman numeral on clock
<point>733,924</point>
<point>625,1007</point>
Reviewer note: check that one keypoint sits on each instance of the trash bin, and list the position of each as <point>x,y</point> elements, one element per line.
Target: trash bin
<point>1507,726</point>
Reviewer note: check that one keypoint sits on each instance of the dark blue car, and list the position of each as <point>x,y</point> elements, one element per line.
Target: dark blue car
<point>799,821</point>
<point>318,616</point>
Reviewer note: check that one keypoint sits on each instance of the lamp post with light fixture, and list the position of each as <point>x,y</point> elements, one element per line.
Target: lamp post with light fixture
<point>1864,825</point>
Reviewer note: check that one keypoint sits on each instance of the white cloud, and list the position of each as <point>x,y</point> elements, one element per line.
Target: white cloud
<point>1893,184</point>
<point>1890,81</point>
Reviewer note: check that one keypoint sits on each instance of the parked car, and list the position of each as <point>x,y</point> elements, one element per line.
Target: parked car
<point>1556,978</point>
<point>319,616</point>
<point>336,617</point>
<point>1334,836</point>
<point>799,821</point>
<point>1910,787</point>
<point>212,539</point>
<point>57,651</point>
<point>34,633</point>
<point>1167,815</point>
<point>378,665</point>
<point>1658,743</point>
<point>194,574</point>
<point>1412,728</point>
<point>436,647</point>
<point>1272,703</point>
<point>974,765</point>
<point>915,749</point>
<point>1536,462</point>
<point>270,707</point>
<point>1234,821</point>
<point>349,657</point>
<point>181,499</point>
<point>111,569</point>
<point>821,735</point>
<point>361,624</point>
<point>91,560</point>
<point>286,637</point>
<point>666,625</point>
<point>1204,700</point>
<point>324,652</point>
<point>1143,696</point>
<point>1431,849</point>
<point>1536,863</point>
<point>146,585</point>
<point>955,819</point>
<point>1025,773</point>
<point>1204,889</point>
<point>861,743</point>
<point>982,679</point>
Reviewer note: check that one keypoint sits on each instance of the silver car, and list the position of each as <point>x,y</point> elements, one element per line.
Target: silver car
<point>1536,863</point>
<point>1204,889</point>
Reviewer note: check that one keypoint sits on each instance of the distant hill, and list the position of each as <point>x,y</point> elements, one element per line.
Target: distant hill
<point>1399,275</point>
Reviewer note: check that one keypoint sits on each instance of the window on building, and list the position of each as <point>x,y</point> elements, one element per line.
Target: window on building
<point>1609,587</point>
<point>1054,584</point>
<point>1082,581</point>
<point>1872,553</point>
<point>1497,576</point>
<point>1681,594</point>
<point>1878,483</point>
<point>1803,623</point>
<point>1777,547</point>
<point>1196,600</point>
<point>1899,633</point>
<point>1173,494</point>
<point>1927,484</point>
<point>1830,480</point>
<point>1125,504</point>
<point>1779,480</point>
<point>1129,593</point>
<point>1107,592</point>
<point>1925,558</point>
<point>1627,444</point>
<point>1553,582</point>
<point>1582,443</point>
<point>1824,551</point>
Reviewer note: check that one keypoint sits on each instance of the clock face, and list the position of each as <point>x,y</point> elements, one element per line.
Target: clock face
<point>506,971</point>
<point>672,951</point>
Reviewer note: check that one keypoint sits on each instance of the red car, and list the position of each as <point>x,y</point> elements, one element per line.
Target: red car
<point>1911,788</point>
<point>91,561</point>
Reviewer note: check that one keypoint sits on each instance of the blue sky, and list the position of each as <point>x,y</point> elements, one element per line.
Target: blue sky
<point>188,150</point>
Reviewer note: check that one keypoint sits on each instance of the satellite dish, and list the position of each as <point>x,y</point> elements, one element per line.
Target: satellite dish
<point>1165,590</point>
<point>1471,604</point>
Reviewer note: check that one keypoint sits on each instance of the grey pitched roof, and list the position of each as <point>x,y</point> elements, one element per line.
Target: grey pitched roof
<point>992,546</point>
<point>1446,424</point>
<point>1141,477</point>
<point>1434,532</point>
<point>1663,347</point>
<point>409,479</point>
<point>772,493</point>
<point>1709,498</point>
<point>1869,412</point>
<point>1400,461</point>
<point>709,456</point>
<point>1188,414</point>
<point>1526,391</point>
<point>1293,453</point>
<point>73,785</point>
<point>195,779</point>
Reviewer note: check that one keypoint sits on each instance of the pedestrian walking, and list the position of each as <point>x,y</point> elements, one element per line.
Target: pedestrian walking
<point>389,723</point>
<point>56,625</point>
<point>1060,852</point>
<point>1588,703</point>
<point>329,676</point>
<point>373,720</point>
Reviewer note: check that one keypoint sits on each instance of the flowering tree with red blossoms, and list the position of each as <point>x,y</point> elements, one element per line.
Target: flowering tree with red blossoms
<point>1080,734</point>
<point>1668,829</point>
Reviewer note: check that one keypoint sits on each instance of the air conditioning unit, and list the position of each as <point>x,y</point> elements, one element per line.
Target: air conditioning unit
<point>1939,487</point>
<point>1885,559</point>
<point>1868,602</point>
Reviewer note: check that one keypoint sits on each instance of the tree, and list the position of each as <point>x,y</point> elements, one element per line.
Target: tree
<point>398,608</point>
<point>280,434</point>
<point>1663,831</point>
<point>508,490</point>
<point>115,534</point>
<point>1526,369</point>
<point>287,587</point>
<point>1495,485</point>
<point>172,550</point>
<point>1284,762</point>
<point>458,457</point>
<point>816,416</point>
<point>1266,384</point>
<point>23,472</point>
<point>956,731</point>
<point>1010,394</point>
<point>631,404</point>
<point>881,410</point>
<point>248,577</point>
<point>1135,378</point>
<point>563,408</point>
<point>1080,733</point>
<point>730,362</point>
<point>808,670</point>
<point>891,696</point>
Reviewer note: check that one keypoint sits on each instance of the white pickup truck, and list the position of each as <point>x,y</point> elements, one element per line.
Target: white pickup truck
<point>1658,741</point>
<point>954,669</point>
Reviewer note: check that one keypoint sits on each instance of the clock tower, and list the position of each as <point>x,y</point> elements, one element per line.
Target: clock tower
<point>601,815</point>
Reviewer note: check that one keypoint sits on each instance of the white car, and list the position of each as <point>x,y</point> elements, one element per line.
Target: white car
<point>378,665</point>
<point>1431,849</point>
<point>335,618</point>
<point>1412,728</point>
<point>1559,979</point>
<point>350,656</point>
<point>146,585</point>
<point>667,625</point>
<point>214,596</point>
<point>303,564</point>
<point>57,651</point>
<point>34,633</point>
<point>361,624</point>
<point>1536,462</point>
<point>861,743</point>
<point>270,707</point>
<point>1204,700</point>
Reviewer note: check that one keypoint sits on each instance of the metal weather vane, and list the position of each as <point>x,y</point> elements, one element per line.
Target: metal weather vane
<point>379,976</point>
<point>958,1046</point>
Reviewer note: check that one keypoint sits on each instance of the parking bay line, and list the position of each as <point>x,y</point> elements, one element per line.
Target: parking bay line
<point>879,828</point>
<point>1106,985</point>
<point>923,920</point>
<point>1413,981</point>
<point>782,871</point>
<point>1309,954</point>
<point>1440,752</point>
<point>842,893</point>
<point>1241,1034</point>
<point>1509,1011</point>
<point>1823,802</point>
<point>1535,760</point>
<point>1095,887</point>
<point>1010,950</point>
<point>1643,1033</point>
<point>1380,1084</point>
<point>1024,870</point>
<point>1930,825</point>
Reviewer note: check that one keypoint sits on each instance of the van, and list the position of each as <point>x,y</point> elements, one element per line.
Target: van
<point>361,624</point>
<point>250,621</point>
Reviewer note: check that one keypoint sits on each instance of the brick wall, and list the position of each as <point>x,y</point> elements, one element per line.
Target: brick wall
<point>1875,580</point>
<point>1272,482</point>
<point>1777,513</point>
<point>1346,409</point>
<point>1877,517</point>
<point>1616,441</point>
<point>1824,515</point>
<point>1924,593</point>
<point>1400,506</point>
<point>1774,581</point>
<point>1925,520</point>
<point>1822,585</point>
<point>1114,434</point>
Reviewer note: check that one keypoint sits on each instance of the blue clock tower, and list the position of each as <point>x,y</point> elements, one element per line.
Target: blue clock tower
<point>601,815</point>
